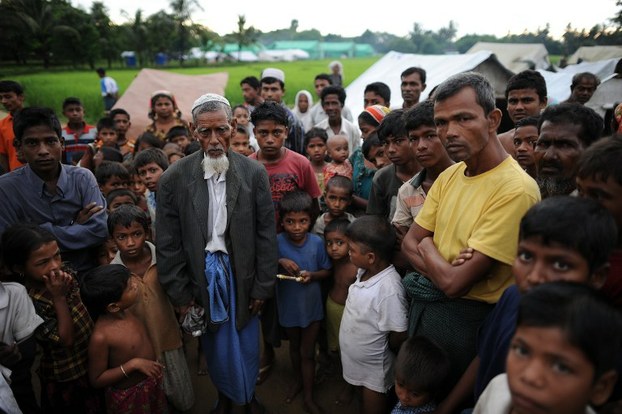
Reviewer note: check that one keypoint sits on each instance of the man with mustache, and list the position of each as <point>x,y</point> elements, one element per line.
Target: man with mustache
<point>216,249</point>
<point>566,130</point>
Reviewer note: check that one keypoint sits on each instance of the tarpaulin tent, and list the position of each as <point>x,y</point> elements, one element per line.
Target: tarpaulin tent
<point>185,88</point>
<point>516,56</point>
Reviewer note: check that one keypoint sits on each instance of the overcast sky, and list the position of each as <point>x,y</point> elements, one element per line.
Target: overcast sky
<point>349,18</point>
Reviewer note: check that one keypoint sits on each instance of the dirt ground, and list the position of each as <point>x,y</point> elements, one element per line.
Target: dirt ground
<point>272,392</point>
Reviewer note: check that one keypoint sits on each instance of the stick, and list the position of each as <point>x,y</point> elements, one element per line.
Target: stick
<point>286,277</point>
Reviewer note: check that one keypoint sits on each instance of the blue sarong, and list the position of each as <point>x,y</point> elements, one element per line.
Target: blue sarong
<point>232,356</point>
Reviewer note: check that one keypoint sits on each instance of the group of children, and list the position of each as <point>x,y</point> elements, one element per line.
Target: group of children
<point>551,343</point>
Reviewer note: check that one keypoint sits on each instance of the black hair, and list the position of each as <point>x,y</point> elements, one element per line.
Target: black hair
<point>527,121</point>
<point>105,123</point>
<point>573,113</point>
<point>587,320</point>
<point>295,201</point>
<point>108,169</point>
<point>337,225</point>
<point>125,215</point>
<point>242,130</point>
<point>414,69</point>
<point>380,88</point>
<point>150,155</point>
<point>152,102</point>
<point>484,92</point>
<point>372,141</point>
<point>150,139</point>
<point>315,133</point>
<point>578,77</point>
<point>528,79</point>
<point>269,80</point>
<point>422,114</point>
<point>375,233</point>
<point>340,181</point>
<point>252,81</point>
<point>323,76</point>
<point>112,154</point>
<point>72,100</point>
<point>177,131</point>
<point>580,224</point>
<point>421,365</point>
<point>602,160</point>
<point>34,116</point>
<point>118,111</point>
<point>102,286</point>
<point>192,147</point>
<point>392,125</point>
<point>334,90</point>
<point>101,71</point>
<point>11,86</point>
<point>120,192</point>
<point>366,118</point>
<point>270,111</point>
<point>240,107</point>
<point>19,241</point>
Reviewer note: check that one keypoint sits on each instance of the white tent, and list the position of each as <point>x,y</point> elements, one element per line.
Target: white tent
<point>516,56</point>
<point>558,83</point>
<point>244,56</point>
<point>596,53</point>
<point>286,55</point>
<point>438,68</point>
<point>609,93</point>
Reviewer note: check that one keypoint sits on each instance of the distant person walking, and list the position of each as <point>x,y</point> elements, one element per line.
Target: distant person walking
<point>110,90</point>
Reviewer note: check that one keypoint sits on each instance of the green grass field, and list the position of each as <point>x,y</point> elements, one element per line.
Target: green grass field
<point>50,88</point>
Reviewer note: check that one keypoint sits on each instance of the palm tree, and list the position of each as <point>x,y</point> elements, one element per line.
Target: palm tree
<point>182,11</point>
<point>244,36</point>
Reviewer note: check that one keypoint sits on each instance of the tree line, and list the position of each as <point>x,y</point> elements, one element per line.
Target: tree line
<point>53,32</point>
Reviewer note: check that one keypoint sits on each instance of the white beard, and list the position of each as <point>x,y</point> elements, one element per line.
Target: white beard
<point>215,165</point>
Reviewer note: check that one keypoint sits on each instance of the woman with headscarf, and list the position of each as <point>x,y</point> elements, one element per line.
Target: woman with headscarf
<point>164,113</point>
<point>302,109</point>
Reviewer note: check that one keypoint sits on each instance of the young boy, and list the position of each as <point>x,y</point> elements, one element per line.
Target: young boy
<point>374,319</point>
<point>299,302</point>
<point>129,227</point>
<point>561,238</point>
<point>122,125</point>
<point>525,137</point>
<point>315,147</point>
<point>562,356</point>
<point>599,176</point>
<point>179,135</point>
<point>77,133</point>
<point>421,369</point>
<point>150,164</point>
<point>374,152</point>
<point>338,198</point>
<point>103,148</point>
<point>121,357</point>
<point>337,150</point>
<point>240,142</point>
<point>110,176</point>
<point>120,196</point>
<point>136,185</point>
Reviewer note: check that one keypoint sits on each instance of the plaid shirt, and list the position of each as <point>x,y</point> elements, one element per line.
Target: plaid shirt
<point>59,363</point>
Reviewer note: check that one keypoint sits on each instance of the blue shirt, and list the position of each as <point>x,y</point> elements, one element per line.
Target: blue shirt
<point>494,336</point>
<point>426,408</point>
<point>24,198</point>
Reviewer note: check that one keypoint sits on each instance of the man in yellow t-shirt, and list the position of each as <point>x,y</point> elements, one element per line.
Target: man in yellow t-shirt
<point>464,240</point>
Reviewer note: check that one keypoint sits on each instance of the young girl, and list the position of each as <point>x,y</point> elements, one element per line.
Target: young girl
<point>34,255</point>
<point>315,146</point>
<point>337,149</point>
<point>302,109</point>
<point>243,115</point>
<point>164,113</point>
<point>299,301</point>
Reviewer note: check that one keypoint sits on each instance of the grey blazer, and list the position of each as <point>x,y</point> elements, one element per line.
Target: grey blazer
<point>182,232</point>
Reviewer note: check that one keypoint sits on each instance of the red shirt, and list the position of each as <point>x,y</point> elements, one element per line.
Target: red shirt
<point>6,142</point>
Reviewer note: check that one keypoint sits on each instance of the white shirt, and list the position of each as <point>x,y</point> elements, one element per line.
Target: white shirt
<point>110,85</point>
<point>217,212</point>
<point>318,114</point>
<point>18,318</point>
<point>348,129</point>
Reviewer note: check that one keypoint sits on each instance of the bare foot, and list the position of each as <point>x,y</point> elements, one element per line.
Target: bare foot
<point>345,396</point>
<point>293,391</point>
<point>309,406</point>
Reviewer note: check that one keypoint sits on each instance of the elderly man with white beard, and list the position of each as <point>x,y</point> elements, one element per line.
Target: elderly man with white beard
<point>216,249</point>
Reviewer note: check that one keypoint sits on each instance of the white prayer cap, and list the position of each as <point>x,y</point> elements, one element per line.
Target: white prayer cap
<point>209,97</point>
<point>273,73</point>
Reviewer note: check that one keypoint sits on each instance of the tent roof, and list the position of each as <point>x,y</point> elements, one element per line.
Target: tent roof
<point>438,67</point>
<point>609,93</point>
<point>516,56</point>
<point>596,53</point>
<point>294,44</point>
<point>185,88</point>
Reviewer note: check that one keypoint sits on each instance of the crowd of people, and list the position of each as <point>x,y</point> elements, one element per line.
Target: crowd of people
<point>438,264</point>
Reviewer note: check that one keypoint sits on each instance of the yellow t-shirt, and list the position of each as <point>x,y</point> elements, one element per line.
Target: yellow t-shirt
<point>482,212</point>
